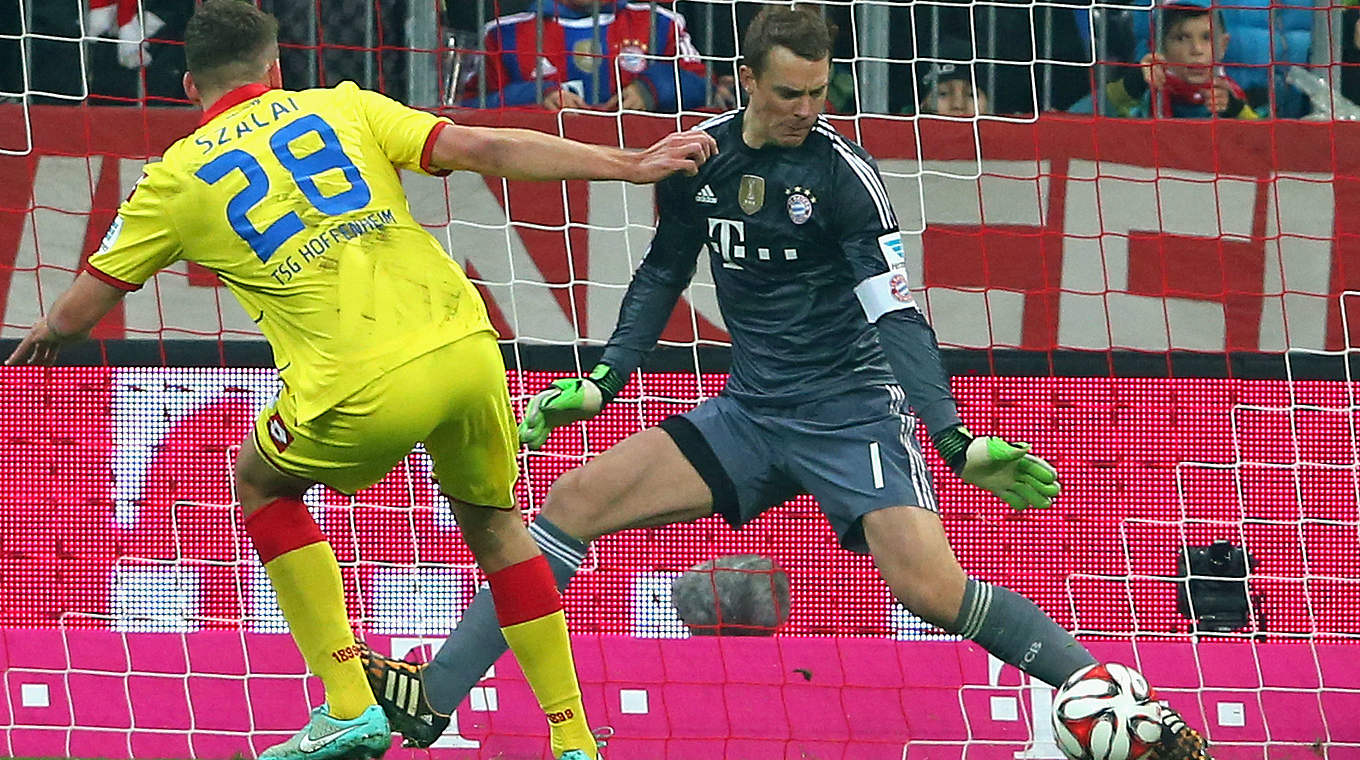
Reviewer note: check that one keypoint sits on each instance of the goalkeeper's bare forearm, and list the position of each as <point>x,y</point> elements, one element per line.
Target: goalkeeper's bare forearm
<point>528,155</point>
<point>75,313</point>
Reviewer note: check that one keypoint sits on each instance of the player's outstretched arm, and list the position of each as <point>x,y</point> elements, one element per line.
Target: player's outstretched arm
<point>72,317</point>
<point>647,305</point>
<point>872,243</point>
<point>526,154</point>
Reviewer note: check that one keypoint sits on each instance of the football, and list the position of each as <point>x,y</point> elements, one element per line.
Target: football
<point>1106,712</point>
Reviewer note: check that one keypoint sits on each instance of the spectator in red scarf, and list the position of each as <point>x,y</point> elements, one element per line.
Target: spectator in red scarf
<point>1184,78</point>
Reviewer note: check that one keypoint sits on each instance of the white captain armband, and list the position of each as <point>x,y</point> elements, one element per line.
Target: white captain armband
<point>883,293</point>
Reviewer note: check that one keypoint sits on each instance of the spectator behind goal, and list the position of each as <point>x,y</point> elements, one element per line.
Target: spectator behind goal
<point>1185,78</point>
<point>948,89</point>
<point>574,66</point>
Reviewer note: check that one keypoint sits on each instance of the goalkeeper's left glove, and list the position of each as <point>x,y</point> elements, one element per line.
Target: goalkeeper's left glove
<point>1008,470</point>
<point>567,400</point>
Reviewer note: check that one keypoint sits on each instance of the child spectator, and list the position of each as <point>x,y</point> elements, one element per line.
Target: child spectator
<point>948,89</point>
<point>1184,78</point>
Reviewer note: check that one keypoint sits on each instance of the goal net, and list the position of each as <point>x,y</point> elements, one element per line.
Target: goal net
<point>1163,307</point>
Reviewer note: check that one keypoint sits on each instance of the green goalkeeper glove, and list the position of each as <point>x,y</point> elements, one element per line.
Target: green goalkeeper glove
<point>1008,470</point>
<point>566,401</point>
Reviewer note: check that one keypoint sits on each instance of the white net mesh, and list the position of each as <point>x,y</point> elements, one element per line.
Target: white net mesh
<point>1072,263</point>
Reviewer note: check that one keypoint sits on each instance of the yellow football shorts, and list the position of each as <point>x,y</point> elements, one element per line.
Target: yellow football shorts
<point>453,398</point>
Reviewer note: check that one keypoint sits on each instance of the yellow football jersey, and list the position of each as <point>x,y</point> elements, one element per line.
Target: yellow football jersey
<point>294,200</point>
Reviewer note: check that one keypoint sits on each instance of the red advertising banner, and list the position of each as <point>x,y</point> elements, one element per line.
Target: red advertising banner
<point>116,511</point>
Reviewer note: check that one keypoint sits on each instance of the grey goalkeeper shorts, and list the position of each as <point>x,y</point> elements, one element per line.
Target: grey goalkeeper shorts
<point>855,454</point>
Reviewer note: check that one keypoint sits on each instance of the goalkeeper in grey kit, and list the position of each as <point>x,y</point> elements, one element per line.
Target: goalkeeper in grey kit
<point>828,348</point>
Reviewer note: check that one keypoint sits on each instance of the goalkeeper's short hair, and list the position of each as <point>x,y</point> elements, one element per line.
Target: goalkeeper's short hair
<point>801,29</point>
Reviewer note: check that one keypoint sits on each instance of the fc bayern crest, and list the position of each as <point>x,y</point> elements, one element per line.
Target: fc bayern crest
<point>632,57</point>
<point>899,287</point>
<point>799,204</point>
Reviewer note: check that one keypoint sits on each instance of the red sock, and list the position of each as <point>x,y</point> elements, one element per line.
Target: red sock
<point>281,526</point>
<point>524,591</point>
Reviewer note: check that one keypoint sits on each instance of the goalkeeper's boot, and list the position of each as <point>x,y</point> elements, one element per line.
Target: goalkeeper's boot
<point>326,737</point>
<point>1179,740</point>
<point>400,690</point>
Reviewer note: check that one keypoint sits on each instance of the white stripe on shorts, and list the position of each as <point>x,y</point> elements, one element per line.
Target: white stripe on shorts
<point>919,471</point>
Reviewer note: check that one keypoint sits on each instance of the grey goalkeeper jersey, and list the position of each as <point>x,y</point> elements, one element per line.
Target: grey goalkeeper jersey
<point>806,257</point>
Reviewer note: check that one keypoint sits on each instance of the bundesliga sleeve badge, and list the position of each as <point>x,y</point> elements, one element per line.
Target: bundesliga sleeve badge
<point>111,236</point>
<point>799,204</point>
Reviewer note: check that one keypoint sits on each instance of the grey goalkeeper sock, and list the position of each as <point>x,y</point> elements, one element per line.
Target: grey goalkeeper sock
<point>1017,632</point>
<point>477,643</point>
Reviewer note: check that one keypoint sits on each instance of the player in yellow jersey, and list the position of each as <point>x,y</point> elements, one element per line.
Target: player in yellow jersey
<point>380,339</point>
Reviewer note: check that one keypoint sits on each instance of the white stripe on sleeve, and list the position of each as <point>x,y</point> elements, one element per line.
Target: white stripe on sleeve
<point>867,176</point>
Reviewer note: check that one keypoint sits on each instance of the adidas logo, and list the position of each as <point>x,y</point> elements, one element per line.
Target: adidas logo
<point>705,195</point>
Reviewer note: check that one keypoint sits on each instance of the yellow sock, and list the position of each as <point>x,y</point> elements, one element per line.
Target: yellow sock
<point>306,577</point>
<point>544,653</point>
<point>530,613</point>
<point>312,598</point>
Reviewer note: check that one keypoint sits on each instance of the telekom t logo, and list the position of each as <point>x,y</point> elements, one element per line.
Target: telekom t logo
<point>727,237</point>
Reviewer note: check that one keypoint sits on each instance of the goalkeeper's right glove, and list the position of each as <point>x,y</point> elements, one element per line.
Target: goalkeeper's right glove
<point>1008,470</point>
<point>566,401</point>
